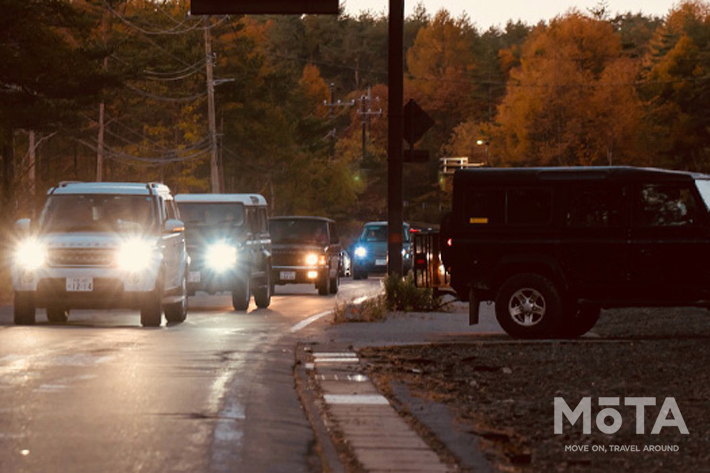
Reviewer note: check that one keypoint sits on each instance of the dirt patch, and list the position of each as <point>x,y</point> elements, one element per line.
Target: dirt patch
<point>503,390</point>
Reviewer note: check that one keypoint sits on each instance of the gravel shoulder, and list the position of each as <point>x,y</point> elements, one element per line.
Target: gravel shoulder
<point>503,391</point>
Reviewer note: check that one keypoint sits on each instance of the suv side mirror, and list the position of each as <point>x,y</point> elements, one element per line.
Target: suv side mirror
<point>174,225</point>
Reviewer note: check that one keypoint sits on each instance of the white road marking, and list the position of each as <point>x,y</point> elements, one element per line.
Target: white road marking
<point>306,322</point>
<point>368,399</point>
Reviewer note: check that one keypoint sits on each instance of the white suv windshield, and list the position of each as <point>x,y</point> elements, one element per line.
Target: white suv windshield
<point>97,213</point>
<point>704,188</point>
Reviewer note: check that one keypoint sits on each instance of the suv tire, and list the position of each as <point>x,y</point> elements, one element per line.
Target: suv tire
<point>241,293</point>
<point>262,294</point>
<point>335,283</point>
<point>24,310</point>
<point>177,312</point>
<point>152,309</point>
<point>529,306</point>
<point>324,285</point>
<point>57,315</point>
<point>579,321</point>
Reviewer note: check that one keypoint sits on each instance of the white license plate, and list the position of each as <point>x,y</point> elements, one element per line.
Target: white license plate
<point>193,276</point>
<point>80,284</point>
<point>288,275</point>
<point>380,262</point>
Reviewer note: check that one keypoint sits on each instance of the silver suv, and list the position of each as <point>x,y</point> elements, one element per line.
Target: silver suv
<point>102,246</point>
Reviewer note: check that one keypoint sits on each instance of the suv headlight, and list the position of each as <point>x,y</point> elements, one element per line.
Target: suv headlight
<point>135,255</point>
<point>360,252</point>
<point>30,254</point>
<point>221,256</point>
<point>313,259</point>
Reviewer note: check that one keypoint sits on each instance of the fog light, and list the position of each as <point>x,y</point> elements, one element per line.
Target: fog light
<point>312,274</point>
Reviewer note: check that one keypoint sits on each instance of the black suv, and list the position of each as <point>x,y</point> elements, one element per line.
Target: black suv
<point>306,250</point>
<point>551,246</point>
<point>229,246</point>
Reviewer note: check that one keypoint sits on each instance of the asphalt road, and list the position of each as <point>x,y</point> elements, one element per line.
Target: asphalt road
<point>214,394</point>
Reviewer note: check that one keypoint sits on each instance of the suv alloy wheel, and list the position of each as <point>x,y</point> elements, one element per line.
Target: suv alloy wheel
<point>529,306</point>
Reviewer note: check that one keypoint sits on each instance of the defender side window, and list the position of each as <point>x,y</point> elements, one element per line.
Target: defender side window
<point>512,207</point>
<point>263,220</point>
<point>529,207</point>
<point>170,211</point>
<point>594,208</point>
<point>665,206</point>
<point>485,207</point>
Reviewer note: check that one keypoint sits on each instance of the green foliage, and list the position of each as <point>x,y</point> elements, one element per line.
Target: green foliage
<point>403,295</point>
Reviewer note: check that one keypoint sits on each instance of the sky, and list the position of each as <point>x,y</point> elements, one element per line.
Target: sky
<point>485,14</point>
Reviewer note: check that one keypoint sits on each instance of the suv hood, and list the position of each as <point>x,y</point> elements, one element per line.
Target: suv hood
<point>82,240</point>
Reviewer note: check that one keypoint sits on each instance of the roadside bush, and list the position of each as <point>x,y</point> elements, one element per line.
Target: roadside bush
<point>369,310</point>
<point>403,295</point>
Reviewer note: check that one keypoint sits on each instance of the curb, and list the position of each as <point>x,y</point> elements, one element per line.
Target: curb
<point>314,409</point>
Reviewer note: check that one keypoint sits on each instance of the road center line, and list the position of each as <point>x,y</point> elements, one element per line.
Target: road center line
<point>306,322</point>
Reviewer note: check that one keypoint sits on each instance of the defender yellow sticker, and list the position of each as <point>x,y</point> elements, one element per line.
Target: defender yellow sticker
<point>478,220</point>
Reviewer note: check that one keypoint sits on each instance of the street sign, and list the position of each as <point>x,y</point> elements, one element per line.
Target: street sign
<point>266,7</point>
<point>416,122</point>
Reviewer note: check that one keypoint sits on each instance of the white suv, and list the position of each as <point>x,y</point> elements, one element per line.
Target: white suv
<point>101,246</point>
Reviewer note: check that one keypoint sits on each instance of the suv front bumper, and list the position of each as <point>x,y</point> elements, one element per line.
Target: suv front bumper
<point>88,288</point>
<point>298,274</point>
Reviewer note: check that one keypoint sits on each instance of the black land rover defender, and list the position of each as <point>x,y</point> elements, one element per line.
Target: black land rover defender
<point>551,246</point>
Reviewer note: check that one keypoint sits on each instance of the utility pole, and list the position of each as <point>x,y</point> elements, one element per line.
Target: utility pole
<point>331,115</point>
<point>102,109</point>
<point>395,134</point>
<point>212,120</point>
<point>366,112</point>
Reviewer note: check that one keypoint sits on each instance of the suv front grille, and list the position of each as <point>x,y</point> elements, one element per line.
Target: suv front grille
<point>80,257</point>
<point>288,258</point>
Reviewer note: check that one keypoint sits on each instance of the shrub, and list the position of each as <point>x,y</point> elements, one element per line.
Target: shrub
<point>403,295</point>
<point>369,310</point>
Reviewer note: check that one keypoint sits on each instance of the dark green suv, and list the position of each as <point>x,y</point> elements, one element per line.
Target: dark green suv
<point>551,246</point>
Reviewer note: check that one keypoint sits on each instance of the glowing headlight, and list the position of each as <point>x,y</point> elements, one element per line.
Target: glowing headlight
<point>30,254</point>
<point>221,256</point>
<point>313,259</point>
<point>134,255</point>
<point>360,252</point>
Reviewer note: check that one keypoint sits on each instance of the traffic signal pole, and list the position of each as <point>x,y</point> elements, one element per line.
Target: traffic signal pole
<point>395,116</point>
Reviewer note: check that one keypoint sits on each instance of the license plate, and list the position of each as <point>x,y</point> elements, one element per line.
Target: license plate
<point>193,276</point>
<point>380,262</point>
<point>288,275</point>
<point>80,284</point>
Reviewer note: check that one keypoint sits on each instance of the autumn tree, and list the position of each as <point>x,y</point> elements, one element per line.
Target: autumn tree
<point>677,87</point>
<point>572,100</point>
